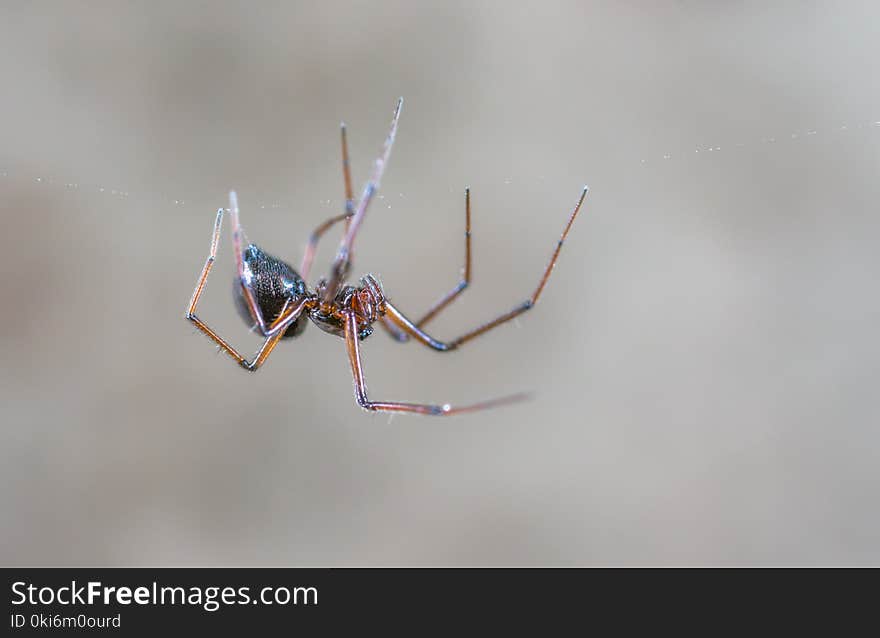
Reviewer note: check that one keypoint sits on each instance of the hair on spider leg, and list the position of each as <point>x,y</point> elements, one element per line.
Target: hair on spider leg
<point>278,303</point>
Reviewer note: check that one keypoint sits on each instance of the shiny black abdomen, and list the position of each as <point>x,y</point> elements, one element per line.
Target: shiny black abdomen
<point>273,282</point>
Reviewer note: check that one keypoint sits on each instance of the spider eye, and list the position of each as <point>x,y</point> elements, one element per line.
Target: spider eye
<point>365,332</point>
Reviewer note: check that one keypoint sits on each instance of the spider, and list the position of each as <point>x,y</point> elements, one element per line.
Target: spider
<point>276,300</point>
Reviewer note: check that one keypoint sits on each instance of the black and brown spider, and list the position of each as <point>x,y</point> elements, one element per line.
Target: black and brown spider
<point>276,299</point>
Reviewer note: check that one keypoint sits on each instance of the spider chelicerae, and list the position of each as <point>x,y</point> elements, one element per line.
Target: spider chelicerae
<point>276,299</point>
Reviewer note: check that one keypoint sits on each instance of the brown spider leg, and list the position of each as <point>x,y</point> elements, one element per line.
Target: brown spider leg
<point>433,311</point>
<point>312,247</point>
<point>271,340</point>
<point>273,334</point>
<point>360,386</point>
<point>346,174</point>
<point>393,331</point>
<point>342,262</point>
<point>466,273</point>
<point>237,237</point>
<point>288,315</point>
<point>263,354</point>
<point>314,238</point>
<point>412,329</point>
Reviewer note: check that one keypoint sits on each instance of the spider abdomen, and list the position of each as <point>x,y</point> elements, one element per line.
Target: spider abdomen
<point>274,283</point>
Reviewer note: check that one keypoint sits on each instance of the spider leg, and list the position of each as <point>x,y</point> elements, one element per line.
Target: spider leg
<point>393,331</point>
<point>342,262</point>
<point>445,300</point>
<point>243,277</point>
<point>277,328</point>
<point>312,246</point>
<point>360,386</point>
<point>315,237</point>
<point>263,353</point>
<point>346,174</point>
<point>402,324</point>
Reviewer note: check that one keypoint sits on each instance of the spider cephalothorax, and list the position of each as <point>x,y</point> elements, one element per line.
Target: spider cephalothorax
<point>366,302</point>
<point>275,299</point>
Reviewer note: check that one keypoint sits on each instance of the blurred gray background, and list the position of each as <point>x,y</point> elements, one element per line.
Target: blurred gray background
<point>704,360</point>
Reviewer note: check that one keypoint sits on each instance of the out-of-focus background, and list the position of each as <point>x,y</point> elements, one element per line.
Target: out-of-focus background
<point>704,360</point>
